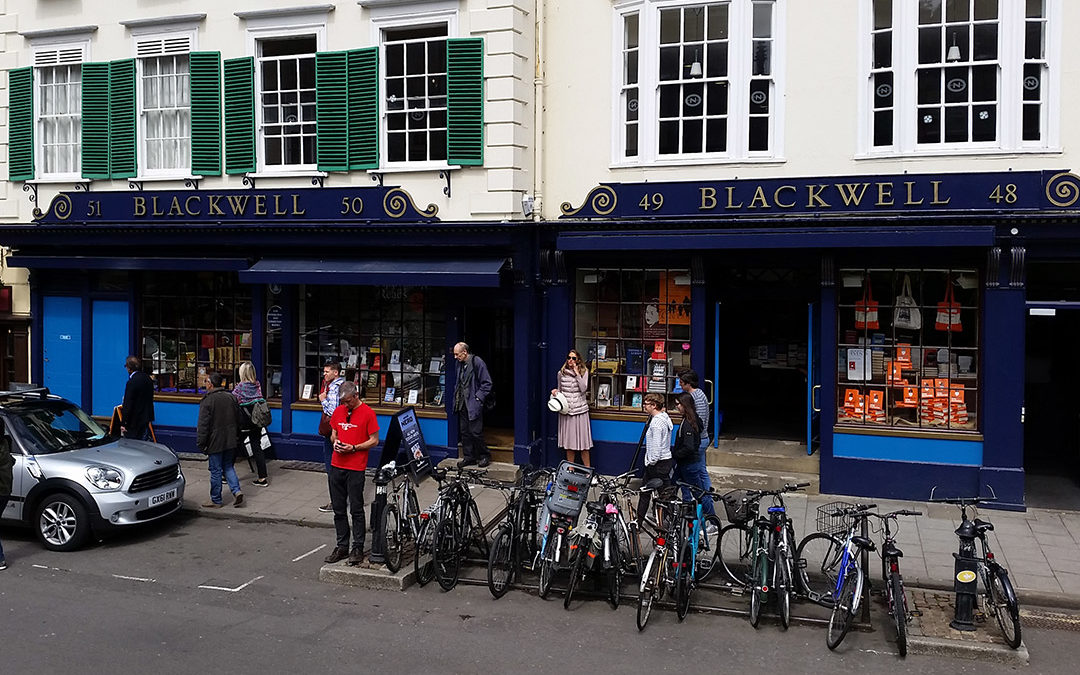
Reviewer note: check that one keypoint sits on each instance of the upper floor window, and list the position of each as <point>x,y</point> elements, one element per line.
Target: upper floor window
<point>959,73</point>
<point>286,102</point>
<point>416,103</point>
<point>58,109</point>
<point>165,110</point>
<point>698,80</point>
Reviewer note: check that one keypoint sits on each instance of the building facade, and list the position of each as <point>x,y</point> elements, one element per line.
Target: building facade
<point>856,221</point>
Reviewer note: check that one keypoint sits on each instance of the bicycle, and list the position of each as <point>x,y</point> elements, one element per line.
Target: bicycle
<point>515,542</point>
<point>459,526</point>
<point>746,550</point>
<point>596,542</point>
<point>423,555</point>
<point>401,499</point>
<point>999,596</point>
<point>658,573</point>
<point>697,554</point>
<point>564,498</point>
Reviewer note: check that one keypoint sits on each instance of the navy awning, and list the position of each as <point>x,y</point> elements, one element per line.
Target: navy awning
<point>482,272</point>
<point>78,262</point>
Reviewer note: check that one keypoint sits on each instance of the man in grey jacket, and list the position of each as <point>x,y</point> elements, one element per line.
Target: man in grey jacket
<point>218,436</point>
<point>470,395</point>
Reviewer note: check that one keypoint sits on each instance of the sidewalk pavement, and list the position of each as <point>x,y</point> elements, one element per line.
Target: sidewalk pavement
<point>1041,548</point>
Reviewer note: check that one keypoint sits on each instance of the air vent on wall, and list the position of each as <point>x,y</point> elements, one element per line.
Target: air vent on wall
<point>180,44</point>
<point>58,57</point>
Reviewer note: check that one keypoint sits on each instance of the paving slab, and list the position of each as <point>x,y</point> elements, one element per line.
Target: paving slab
<point>929,632</point>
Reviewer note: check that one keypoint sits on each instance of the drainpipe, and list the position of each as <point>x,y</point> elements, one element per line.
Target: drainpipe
<point>538,115</point>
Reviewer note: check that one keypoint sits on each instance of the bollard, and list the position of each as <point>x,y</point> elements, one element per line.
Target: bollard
<point>382,482</point>
<point>965,579</point>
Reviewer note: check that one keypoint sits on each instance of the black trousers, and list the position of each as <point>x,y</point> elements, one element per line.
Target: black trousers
<point>254,436</point>
<point>472,436</point>
<point>661,470</point>
<point>347,498</point>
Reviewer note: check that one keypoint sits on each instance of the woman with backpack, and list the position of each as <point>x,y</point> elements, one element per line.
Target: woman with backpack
<point>248,392</point>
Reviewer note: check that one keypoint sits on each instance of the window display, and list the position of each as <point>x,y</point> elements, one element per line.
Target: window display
<point>390,340</point>
<point>908,348</point>
<point>194,324</point>
<point>633,325</point>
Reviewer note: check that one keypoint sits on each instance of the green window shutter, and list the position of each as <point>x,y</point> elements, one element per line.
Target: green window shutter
<point>205,85</point>
<point>240,115</point>
<point>332,111</point>
<point>123,138</point>
<point>21,124</point>
<point>95,120</point>
<point>363,71</point>
<point>465,103</point>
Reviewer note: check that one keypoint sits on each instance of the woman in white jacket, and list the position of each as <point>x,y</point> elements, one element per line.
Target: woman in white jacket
<point>657,448</point>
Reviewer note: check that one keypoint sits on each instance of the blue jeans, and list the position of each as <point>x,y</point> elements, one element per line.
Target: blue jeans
<point>222,461</point>
<point>696,474</point>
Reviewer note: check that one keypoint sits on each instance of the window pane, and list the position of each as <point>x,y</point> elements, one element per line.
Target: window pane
<point>986,41</point>
<point>1032,82</point>
<point>694,24</point>
<point>1032,123</point>
<point>986,9</point>
<point>718,22</point>
<point>956,125</point>
<point>395,60</point>
<point>762,19</point>
<point>692,99</point>
<point>882,50</point>
<point>883,128</point>
<point>630,26</point>
<point>716,94</point>
<point>984,80</point>
<point>929,11</point>
<point>669,100</point>
<point>759,96</point>
<point>1034,9</point>
<point>762,58</point>
<point>882,14</point>
<point>929,86</point>
<point>930,45</point>
<point>984,123</point>
<point>716,59</point>
<point>631,140</point>
<point>883,90</point>
<point>929,125</point>
<point>669,26</point>
<point>716,135</point>
<point>669,138</point>
<point>759,134</point>
<point>669,63</point>
<point>692,131</point>
<point>956,85</point>
<point>1033,40</point>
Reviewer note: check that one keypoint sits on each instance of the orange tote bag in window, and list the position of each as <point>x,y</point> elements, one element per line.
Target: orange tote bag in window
<point>866,310</point>
<point>948,311</point>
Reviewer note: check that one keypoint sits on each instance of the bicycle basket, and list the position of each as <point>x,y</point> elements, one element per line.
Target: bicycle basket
<point>831,523</point>
<point>740,510</point>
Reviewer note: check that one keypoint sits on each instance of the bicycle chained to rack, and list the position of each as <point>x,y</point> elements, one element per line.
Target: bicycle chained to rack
<point>758,552</point>
<point>998,596</point>
<point>515,543</point>
<point>658,573</point>
<point>565,496</point>
<point>399,521</point>
<point>457,526</point>
<point>698,548</point>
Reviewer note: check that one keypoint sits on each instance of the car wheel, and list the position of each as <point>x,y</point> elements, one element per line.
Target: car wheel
<point>63,523</point>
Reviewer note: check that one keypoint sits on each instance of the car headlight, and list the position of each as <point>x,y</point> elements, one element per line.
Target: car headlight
<point>105,477</point>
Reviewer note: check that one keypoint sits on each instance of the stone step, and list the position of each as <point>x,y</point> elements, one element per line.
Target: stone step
<point>763,455</point>
<point>500,471</point>
<point>725,479</point>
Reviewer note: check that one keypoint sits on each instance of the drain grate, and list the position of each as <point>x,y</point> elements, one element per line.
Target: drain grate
<point>1049,620</point>
<point>304,466</point>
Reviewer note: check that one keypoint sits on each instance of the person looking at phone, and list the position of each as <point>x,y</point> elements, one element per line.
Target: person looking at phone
<point>354,431</point>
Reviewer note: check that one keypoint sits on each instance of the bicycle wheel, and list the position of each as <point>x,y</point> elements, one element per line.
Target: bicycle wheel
<point>782,583</point>
<point>577,564</point>
<point>843,611</point>
<point>1006,609</point>
<point>684,584</point>
<point>627,548</point>
<point>758,588</point>
<point>501,567</point>
<point>423,562</point>
<point>391,530</point>
<point>899,610</point>
<point>817,580</point>
<point>708,553</point>
<point>446,554</point>
<point>734,554</point>
<point>547,566</point>
<point>614,573</point>
<point>654,575</point>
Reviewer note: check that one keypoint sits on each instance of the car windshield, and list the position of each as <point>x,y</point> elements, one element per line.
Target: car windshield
<point>57,426</point>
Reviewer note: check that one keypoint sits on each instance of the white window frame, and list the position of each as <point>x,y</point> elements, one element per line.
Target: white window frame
<point>412,15</point>
<point>40,46</point>
<point>740,17</point>
<point>272,28</point>
<point>1010,92</point>
<point>148,34</point>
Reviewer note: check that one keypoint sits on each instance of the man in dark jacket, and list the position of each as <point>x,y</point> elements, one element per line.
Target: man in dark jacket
<point>470,394</point>
<point>6,478</point>
<point>138,409</point>
<point>219,436</point>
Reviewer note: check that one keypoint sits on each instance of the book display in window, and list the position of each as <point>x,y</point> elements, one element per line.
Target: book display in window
<point>918,369</point>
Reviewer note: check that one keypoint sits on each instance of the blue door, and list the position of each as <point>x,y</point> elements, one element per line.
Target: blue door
<point>109,349</point>
<point>61,346</point>
<point>813,378</point>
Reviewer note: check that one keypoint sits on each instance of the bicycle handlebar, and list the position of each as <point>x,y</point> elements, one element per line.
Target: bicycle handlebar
<point>859,510</point>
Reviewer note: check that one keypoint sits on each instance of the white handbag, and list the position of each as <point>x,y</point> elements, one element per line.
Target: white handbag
<point>906,313</point>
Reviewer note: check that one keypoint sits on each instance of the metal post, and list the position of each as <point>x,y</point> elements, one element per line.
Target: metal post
<point>965,578</point>
<point>865,615</point>
<point>378,544</point>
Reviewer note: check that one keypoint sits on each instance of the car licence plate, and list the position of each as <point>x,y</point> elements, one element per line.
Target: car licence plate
<point>163,497</point>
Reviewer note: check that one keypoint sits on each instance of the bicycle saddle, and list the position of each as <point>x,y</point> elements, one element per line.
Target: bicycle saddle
<point>982,526</point>
<point>652,485</point>
<point>863,543</point>
<point>596,508</point>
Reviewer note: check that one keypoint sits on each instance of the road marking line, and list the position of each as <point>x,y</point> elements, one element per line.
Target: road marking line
<point>314,550</point>
<point>45,567</point>
<point>232,590</point>
<point>121,576</point>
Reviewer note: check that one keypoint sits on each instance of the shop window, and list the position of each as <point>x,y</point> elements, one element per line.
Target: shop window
<point>390,340</point>
<point>632,326</point>
<point>949,73</point>
<point>194,324</point>
<point>908,354</point>
<point>275,310</point>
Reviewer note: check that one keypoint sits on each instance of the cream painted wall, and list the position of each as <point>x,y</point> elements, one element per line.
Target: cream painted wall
<point>820,104</point>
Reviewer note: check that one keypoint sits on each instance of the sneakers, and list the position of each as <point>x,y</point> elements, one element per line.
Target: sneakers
<point>356,556</point>
<point>337,555</point>
<point>239,500</point>
<point>261,482</point>
<point>468,461</point>
<point>3,564</point>
<point>212,505</point>
<point>484,462</point>
<point>329,508</point>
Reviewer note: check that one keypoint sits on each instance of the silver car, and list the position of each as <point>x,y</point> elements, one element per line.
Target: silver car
<point>72,479</point>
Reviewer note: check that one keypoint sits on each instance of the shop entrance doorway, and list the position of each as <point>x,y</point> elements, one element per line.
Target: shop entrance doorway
<point>762,340</point>
<point>489,332</point>
<point>1052,406</point>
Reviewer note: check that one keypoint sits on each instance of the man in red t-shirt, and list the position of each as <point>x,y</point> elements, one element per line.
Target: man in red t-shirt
<point>354,431</point>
